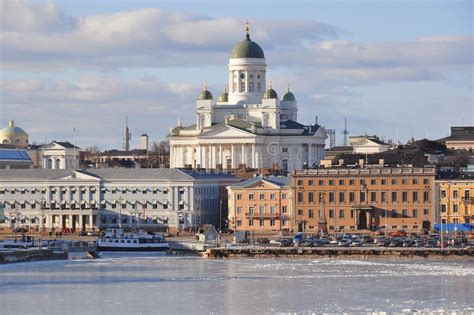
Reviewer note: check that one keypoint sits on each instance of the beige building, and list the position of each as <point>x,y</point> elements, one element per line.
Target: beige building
<point>455,200</point>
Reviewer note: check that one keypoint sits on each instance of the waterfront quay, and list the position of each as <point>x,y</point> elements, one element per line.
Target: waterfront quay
<point>335,252</point>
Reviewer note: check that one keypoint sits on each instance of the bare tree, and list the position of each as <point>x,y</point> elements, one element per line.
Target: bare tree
<point>159,154</point>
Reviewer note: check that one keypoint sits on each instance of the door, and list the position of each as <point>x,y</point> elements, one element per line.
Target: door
<point>362,220</point>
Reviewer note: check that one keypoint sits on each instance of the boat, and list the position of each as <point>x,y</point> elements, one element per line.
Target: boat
<point>116,239</point>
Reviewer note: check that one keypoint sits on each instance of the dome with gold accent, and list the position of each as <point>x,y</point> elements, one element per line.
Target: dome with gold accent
<point>13,135</point>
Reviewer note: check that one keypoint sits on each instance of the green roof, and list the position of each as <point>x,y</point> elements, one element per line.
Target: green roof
<point>205,95</point>
<point>224,97</point>
<point>247,49</point>
<point>270,93</point>
<point>288,97</point>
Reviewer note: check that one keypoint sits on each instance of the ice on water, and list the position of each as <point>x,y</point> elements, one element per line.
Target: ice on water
<point>156,283</point>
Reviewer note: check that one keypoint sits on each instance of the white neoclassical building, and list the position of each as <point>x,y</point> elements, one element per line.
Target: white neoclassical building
<point>98,198</point>
<point>60,155</point>
<point>247,125</point>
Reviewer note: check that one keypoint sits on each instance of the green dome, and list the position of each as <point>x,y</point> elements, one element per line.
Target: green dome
<point>270,93</point>
<point>288,97</point>
<point>224,97</point>
<point>205,95</point>
<point>247,49</point>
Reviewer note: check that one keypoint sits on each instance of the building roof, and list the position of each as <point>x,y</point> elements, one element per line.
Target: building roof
<point>270,93</point>
<point>14,155</point>
<point>12,131</point>
<point>34,174</point>
<point>288,97</point>
<point>123,152</point>
<point>282,181</point>
<point>247,49</point>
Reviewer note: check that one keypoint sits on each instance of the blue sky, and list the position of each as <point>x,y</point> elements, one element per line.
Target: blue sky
<point>385,65</point>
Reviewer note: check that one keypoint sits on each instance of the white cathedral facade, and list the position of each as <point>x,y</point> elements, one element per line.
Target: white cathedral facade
<point>246,126</point>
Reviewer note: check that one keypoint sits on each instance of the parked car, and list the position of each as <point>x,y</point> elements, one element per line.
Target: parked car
<point>356,243</point>
<point>407,243</point>
<point>263,240</point>
<point>285,242</point>
<point>395,242</point>
<point>344,243</point>
<point>306,243</point>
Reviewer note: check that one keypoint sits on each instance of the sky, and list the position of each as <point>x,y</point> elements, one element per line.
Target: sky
<point>398,69</point>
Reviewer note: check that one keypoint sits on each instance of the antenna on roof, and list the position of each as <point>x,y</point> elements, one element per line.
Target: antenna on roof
<point>345,132</point>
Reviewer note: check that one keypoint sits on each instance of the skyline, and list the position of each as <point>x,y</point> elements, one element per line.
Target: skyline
<point>54,75</point>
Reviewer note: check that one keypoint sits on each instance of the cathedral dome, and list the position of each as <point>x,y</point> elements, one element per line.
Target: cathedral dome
<point>205,94</point>
<point>288,96</point>
<point>13,135</point>
<point>270,93</point>
<point>247,48</point>
<point>224,97</point>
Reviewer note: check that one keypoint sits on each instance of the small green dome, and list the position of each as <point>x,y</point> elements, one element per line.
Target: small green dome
<point>288,97</point>
<point>247,49</point>
<point>205,95</point>
<point>270,93</point>
<point>224,97</point>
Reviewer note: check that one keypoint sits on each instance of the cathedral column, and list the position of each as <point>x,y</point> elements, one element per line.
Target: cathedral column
<point>253,155</point>
<point>205,156</point>
<point>220,156</point>
<point>242,155</point>
<point>232,154</point>
<point>310,154</point>
<point>200,156</point>
<point>213,156</point>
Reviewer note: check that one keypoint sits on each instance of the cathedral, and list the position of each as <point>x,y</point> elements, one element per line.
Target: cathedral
<point>248,126</point>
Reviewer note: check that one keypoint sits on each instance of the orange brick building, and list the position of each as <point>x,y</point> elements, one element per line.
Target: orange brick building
<point>262,204</point>
<point>364,199</point>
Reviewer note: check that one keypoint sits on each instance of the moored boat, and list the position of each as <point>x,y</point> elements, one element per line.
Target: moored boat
<point>116,239</point>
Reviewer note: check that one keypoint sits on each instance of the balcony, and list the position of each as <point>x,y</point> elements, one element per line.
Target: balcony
<point>262,215</point>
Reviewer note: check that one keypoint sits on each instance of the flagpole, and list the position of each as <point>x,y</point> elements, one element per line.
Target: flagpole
<point>74,133</point>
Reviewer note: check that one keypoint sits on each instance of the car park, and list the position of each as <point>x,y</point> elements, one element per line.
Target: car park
<point>344,243</point>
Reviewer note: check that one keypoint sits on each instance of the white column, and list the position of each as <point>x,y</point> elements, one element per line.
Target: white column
<point>200,156</point>
<point>220,156</point>
<point>212,150</point>
<point>232,154</point>
<point>253,155</point>
<point>242,154</point>
<point>206,156</point>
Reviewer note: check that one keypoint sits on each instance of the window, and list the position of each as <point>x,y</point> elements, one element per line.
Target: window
<point>272,222</point>
<point>331,182</point>
<point>331,213</point>
<point>393,214</point>
<point>311,213</point>
<point>383,196</point>
<point>383,182</point>
<point>404,181</point>
<point>134,191</point>
<point>272,197</point>
<point>341,213</point>
<point>300,196</point>
<point>405,213</point>
<point>443,193</point>
<point>261,209</point>
<point>362,196</point>
<point>455,194</point>
<point>239,210</point>
<point>242,87</point>
<point>426,196</point>
<point>239,222</point>
<point>310,196</point>
<point>114,191</point>
<point>415,196</point>
<point>250,196</point>
<point>373,182</point>
<point>394,181</point>
<point>455,208</point>
<point>321,182</point>
<point>250,209</point>
<point>383,214</point>
<point>352,213</point>
<point>373,196</point>
<point>341,182</point>
<point>415,213</point>
<point>443,208</point>
<point>311,182</point>
<point>272,209</point>
<point>261,222</point>
<point>394,196</point>
<point>466,193</point>
<point>300,212</point>
<point>341,197</point>
<point>415,181</point>
<point>426,211</point>
<point>250,86</point>
<point>283,196</point>
<point>251,222</point>
<point>351,196</point>
<point>426,181</point>
<point>284,209</point>
<point>262,196</point>
<point>351,182</point>
<point>258,87</point>
<point>284,222</point>
<point>300,182</point>
<point>405,196</point>
<point>239,196</point>
<point>331,197</point>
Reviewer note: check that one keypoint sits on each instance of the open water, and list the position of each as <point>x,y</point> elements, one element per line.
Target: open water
<point>156,283</point>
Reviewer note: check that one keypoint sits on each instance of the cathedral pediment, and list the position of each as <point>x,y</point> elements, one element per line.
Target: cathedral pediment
<point>225,131</point>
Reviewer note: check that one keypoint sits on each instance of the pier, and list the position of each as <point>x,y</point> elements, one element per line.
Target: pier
<point>336,252</point>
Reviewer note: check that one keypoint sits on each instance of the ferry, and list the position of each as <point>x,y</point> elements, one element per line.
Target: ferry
<point>116,239</point>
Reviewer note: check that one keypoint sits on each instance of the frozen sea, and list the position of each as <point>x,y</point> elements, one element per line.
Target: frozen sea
<point>156,283</point>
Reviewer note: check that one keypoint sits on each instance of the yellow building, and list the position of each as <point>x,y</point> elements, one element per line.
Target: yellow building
<point>456,199</point>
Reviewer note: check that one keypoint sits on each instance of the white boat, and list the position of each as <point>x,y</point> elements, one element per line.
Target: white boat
<point>116,239</point>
